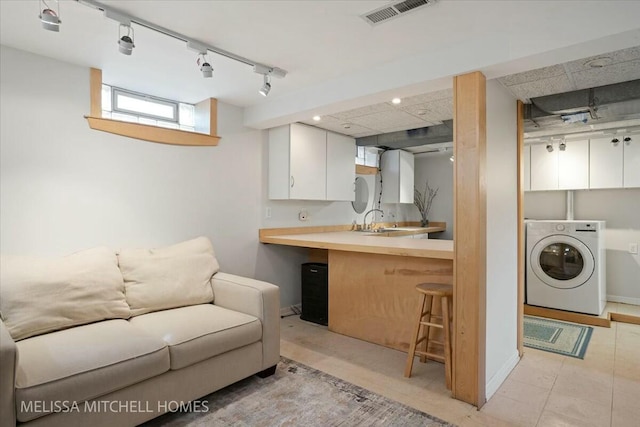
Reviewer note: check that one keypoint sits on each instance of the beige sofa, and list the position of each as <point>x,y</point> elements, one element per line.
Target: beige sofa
<point>104,339</point>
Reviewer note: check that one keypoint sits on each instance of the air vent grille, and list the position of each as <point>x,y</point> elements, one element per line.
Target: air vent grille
<point>382,15</point>
<point>408,5</point>
<point>385,13</point>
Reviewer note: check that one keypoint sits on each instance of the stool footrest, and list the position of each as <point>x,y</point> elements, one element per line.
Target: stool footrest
<point>435,325</point>
<point>431,355</point>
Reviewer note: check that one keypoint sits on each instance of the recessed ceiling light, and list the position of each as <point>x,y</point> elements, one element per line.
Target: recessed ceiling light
<point>316,118</point>
<point>346,125</point>
<point>396,101</point>
<point>599,62</point>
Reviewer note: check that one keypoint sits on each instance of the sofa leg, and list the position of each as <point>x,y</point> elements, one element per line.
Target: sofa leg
<point>267,372</point>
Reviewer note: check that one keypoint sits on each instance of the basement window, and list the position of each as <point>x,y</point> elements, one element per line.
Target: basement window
<point>128,106</point>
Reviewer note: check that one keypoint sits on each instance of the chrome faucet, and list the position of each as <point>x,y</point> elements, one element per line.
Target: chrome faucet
<point>364,221</point>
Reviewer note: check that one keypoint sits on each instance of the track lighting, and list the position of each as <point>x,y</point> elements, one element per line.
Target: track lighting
<point>549,148</point>
<point>205,67</point>
<point>266,87</point>
<point>50,18</point>
<point>562,146</point>
<point>615,142</point>
<point>125,43</point>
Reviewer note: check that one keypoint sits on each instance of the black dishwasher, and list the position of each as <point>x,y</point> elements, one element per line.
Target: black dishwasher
<point>315,293</point>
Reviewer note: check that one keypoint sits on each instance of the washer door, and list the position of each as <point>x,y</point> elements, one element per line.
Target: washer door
<point>562,262</point>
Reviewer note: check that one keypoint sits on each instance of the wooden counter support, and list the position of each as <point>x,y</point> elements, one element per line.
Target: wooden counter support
<point>373,296</point>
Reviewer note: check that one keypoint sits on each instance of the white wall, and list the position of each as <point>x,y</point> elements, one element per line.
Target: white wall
<point>620,208</point>
<point>65,187</point>
<point>438,170</point>
<point>502,244</point>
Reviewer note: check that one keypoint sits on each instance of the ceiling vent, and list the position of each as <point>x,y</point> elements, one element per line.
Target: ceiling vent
<point>386,13</point>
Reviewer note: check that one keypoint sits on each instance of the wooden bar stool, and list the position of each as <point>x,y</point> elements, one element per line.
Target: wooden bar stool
<point>429,294</point>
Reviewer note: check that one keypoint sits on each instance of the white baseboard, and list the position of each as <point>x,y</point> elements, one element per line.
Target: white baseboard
<point>625,300</point>
<point>494,383</point>
<point>290,311</point>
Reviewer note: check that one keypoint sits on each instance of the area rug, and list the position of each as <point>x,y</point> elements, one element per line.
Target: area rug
<point>555,336</point>
<point>297,395</point>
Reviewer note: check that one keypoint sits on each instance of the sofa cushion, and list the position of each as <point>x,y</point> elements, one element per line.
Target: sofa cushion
<point>83,363</point>
<point>39,295</point>
<point>175,276</point>
<point>199,332</point>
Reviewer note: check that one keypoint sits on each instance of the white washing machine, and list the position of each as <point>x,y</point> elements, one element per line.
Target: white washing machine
<point>566,265</point>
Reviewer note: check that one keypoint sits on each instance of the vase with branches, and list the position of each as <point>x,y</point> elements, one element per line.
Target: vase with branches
<point>423,201</point>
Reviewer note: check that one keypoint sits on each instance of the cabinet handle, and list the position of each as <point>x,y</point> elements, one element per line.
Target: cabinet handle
<point>293,181</point>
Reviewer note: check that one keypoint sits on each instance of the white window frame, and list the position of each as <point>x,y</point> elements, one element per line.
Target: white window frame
<point>115,91</point>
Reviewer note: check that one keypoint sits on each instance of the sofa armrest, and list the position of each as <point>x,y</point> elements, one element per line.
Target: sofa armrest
<point>8,362</point>
<point>259,299</point>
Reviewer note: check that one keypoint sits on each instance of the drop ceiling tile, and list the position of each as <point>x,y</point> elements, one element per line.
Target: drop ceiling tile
<point>542,87</point>
<point>388,119</point>
<point>427,97</point>
<point>363,111</point>
<point>406,127</point>
<point>533,75</point>
<point>438,110</point>
<point>624,55</point>
<point>616,73</point>
<point>363,134</point>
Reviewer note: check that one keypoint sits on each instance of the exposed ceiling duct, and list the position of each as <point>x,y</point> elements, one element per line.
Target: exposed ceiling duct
<point>574,111</point>
<point>410,138</point>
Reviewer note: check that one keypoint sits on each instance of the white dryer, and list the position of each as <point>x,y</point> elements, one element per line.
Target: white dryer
<point>566,265</point>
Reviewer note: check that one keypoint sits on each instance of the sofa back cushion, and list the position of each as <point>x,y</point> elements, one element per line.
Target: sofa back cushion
<point>39,295</point>
<point>174,276</point>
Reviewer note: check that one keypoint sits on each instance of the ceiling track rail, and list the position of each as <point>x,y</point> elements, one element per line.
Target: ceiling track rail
<point>125,18</point>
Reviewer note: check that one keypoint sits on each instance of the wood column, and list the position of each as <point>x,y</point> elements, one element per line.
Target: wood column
<point>521,248</point>
<point>470,242</point>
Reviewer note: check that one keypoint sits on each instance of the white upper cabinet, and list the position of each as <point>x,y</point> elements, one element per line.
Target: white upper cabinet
<point>527,167</point>
<point>341,171</point>
<point>605,162</point>
<point>307,163</point>
<point>298,163</point>
<point>397,168</point>
<point>544,167</point>
<point>573,166</point>
<point>631,161</point>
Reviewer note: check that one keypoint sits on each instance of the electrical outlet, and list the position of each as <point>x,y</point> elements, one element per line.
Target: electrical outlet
<point>267,213</point>
<point>633,248</point>
<point>303,215</point>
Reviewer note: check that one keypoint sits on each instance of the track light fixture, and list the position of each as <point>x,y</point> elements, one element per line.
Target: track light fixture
<point>562,146</point>
<point>205,67</point>
<point>266,87</point>
<point>50,18</point>
<point>549,148</point>
<point>125,43</point>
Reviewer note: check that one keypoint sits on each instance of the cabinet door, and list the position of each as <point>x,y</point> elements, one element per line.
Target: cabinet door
<point>390,171</point>
<point>406,177</point>
<point>544,167</point>
<point>605,163</point>
<point>631,161</point>
<point>527,168</point>
<point>308,163</point>
<point>341,168</point>
<point>573,166</point>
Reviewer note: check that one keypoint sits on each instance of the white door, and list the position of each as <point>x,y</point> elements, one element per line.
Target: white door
<point>605,162</point>
<point>573,166</point>
<point>631,161</point>
<point>308,166</point>
<point>544,167</point>
<point>341,167</point>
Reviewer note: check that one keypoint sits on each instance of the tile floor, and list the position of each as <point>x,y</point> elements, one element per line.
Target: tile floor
<point>545,389</point>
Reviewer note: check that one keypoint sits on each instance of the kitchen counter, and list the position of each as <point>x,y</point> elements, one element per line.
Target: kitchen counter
<point>373,243</point>
<point>372,277</point>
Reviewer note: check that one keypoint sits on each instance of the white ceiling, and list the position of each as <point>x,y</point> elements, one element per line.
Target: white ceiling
<point>336,61</point>
<point>431,108</point>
